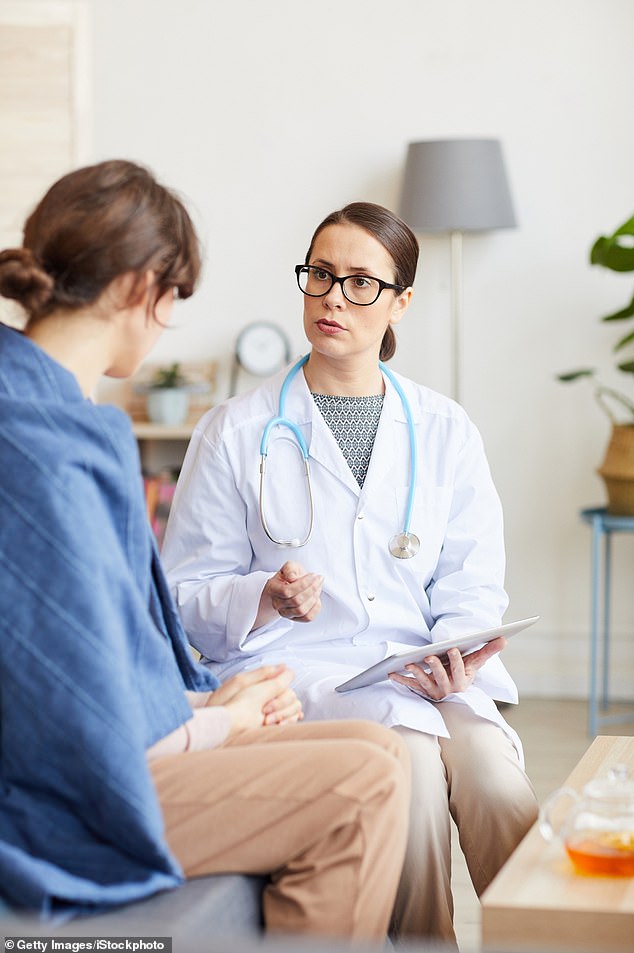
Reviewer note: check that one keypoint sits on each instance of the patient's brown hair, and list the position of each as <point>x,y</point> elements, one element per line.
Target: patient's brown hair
<point>92,226</point>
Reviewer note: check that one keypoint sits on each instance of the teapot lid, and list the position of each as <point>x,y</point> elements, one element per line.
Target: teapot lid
<point>617,786</point>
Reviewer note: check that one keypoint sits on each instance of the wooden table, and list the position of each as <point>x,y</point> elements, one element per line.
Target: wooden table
<point>538,903</point>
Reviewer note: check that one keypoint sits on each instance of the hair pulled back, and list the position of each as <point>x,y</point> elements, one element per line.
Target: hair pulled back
<point>92,226</point>
<point>395,236</point>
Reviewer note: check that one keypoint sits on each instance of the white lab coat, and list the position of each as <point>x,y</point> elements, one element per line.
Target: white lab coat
<point>218,557</point>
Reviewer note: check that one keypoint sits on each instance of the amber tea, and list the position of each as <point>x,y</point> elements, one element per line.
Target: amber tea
<point>609,853</point>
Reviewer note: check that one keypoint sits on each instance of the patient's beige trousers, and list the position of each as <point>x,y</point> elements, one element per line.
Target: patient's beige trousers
<point>321,807</point>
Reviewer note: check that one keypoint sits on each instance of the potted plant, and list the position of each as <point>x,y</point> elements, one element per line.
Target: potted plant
<point>616,252</point>
<point>168,396</point>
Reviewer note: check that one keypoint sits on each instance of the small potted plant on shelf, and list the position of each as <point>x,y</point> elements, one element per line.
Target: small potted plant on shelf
<point>616,252</point>
<point>168,396</point>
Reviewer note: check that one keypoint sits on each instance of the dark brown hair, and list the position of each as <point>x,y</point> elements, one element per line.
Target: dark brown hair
<point>92,226</point>
<point>395,236</point>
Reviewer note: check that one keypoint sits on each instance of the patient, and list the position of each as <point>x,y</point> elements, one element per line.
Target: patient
<point>124,764</point>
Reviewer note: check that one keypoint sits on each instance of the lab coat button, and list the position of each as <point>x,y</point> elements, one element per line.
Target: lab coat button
<point>371,597</point>
<point>360,516</point>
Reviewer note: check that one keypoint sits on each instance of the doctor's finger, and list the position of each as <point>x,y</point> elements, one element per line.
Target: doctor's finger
<point>291,571</point>
<point>432,685</point>
<point>460,678</point>
<point>303,592</point>
<point>302,611</point>
<point>475,660</point>
<point>301,588</point>
<point>304,616</point>
<point>415,685</point>
<point>442,675</point>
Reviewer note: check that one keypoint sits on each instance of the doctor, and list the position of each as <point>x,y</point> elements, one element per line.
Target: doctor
<point>395,540</point>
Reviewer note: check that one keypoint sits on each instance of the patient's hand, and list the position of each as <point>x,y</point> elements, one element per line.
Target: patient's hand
<point>262,696</point>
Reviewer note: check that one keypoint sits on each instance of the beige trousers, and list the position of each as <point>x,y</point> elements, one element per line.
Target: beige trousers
<point>476,778</point>
<point>322,808</point>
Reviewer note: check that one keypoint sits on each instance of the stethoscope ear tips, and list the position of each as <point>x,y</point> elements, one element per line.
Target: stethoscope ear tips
<point>404,545</point>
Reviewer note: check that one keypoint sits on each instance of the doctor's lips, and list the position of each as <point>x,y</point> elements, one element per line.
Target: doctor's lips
<point>329,327</point>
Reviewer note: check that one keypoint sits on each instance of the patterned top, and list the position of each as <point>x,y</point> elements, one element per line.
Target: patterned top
<point>354,422</point>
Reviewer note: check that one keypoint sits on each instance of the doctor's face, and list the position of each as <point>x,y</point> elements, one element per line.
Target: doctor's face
<point>334,326</point>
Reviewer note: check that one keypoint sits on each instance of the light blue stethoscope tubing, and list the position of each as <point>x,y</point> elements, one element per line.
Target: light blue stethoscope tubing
<point>403,545</point>
<point>282,421</point>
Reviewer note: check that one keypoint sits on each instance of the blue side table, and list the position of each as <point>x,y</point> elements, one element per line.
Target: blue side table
<point>603,524</point>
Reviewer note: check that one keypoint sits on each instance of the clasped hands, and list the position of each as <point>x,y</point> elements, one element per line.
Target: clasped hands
<point>258,697</point>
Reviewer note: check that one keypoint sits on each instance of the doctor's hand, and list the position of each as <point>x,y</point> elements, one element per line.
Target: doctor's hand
<point>455,674</point>
<point>292,593</point>
<point>262,696</point>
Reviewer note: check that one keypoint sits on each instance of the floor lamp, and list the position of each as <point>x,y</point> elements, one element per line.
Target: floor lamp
<point>456,186</point>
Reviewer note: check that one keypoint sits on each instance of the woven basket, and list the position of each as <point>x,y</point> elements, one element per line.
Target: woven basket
<point>617,470</point>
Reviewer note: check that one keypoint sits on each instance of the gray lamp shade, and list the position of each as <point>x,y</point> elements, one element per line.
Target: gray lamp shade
<point>456,185</point>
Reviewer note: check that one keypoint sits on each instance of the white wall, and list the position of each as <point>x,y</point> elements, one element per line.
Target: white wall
<point>269,115</point>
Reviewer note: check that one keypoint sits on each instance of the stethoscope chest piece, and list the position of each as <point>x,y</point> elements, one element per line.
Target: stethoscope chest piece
<point>404,545</point>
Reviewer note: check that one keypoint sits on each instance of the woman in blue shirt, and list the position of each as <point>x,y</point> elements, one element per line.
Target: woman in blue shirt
<point>124,764</point>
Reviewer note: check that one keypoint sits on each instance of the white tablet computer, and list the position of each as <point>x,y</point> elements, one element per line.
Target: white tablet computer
<point>466,643</point>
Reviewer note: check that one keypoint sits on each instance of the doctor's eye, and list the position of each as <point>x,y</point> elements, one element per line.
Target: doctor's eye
<point>360,282</point>
<point>319,274</point>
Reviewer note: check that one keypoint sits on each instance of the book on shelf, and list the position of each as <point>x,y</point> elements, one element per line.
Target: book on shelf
<point>159,493</point>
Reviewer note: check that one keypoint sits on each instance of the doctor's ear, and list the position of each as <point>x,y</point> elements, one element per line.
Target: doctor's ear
<point>401,304</point>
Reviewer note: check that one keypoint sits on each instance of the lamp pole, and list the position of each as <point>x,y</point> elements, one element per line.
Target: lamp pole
<point>456,314</point>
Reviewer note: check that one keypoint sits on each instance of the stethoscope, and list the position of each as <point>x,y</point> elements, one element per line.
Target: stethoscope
<point>402,545</point>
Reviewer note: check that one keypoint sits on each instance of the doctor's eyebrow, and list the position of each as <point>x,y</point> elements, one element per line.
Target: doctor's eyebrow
<point>355,269</point>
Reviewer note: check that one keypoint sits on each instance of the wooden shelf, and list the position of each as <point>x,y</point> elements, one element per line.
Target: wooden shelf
<point>148,431</point>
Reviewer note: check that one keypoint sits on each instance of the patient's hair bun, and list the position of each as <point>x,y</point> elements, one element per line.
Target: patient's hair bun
<point>24,279</point>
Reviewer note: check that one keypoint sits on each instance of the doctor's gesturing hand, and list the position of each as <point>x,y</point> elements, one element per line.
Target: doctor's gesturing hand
<point>292,593</point>
<point>455,674</point>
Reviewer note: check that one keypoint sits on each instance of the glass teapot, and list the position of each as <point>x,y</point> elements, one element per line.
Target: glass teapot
<point>598,828</point>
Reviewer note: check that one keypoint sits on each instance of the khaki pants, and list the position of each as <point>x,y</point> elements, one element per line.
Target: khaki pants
<point>322,808</point>
<point>476,778</point>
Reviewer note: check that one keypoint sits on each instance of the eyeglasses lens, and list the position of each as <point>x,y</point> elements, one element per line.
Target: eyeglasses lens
<point>357,288</point>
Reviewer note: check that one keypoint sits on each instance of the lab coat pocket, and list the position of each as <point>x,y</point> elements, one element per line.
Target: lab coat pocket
<point>430,515</point>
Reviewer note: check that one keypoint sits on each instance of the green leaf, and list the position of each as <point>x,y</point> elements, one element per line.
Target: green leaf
<point>621,315</point>
<point>168,377</point>
<point>626,340</point>
<point>609,252</point>
<point>575,375</point>
<point>628,367</point>
<point>627,228</point>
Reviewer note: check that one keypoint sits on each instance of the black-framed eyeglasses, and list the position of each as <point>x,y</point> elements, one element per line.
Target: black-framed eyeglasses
<point>358,289</point>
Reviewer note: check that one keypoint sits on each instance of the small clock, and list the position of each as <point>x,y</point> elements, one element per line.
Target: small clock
<point>262,348</point>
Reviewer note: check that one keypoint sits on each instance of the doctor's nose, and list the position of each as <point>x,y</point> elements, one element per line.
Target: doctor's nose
<point>335,298</point>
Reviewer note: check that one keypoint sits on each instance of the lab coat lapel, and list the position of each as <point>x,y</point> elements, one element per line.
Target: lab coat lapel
<point>324,449</point>
<point>387,451</point>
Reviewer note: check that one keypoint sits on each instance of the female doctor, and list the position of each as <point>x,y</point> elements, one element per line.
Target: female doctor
<point>395,541</point>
